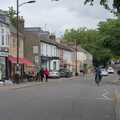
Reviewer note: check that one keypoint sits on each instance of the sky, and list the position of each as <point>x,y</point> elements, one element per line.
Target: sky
<point>58,16</point>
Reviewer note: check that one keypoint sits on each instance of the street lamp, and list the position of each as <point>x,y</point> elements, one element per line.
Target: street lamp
<point>17,23</point>
<point>76,73</point>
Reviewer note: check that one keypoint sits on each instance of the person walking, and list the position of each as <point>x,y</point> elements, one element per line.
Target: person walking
<point>46,74</point>
<point>98,76</point>
<point>118,72</point>
<point>37,77</point>
<point>41,73</point>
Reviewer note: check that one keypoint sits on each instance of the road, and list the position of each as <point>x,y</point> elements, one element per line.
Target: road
<point>78,99</point>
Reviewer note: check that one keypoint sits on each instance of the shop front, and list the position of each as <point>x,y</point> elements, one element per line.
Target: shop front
<point>23,65</point>
<point>3,65</point>
<point>51,63</point>
<point>45,62</point>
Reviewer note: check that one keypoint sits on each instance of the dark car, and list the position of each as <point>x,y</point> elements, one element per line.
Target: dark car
<point>65,73</point>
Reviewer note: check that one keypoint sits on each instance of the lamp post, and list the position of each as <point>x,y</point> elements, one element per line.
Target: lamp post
<point>76,73</point>
<point>17,25</point>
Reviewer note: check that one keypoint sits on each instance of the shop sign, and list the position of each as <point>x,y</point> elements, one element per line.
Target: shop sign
<point>3,54</point>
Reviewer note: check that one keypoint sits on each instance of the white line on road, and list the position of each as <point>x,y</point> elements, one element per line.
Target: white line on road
<point>104,96</point>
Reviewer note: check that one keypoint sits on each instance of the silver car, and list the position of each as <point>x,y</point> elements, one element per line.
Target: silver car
<point>54,74</point>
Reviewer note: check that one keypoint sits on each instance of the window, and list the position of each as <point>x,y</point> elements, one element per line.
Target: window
<point>36,59</point>
<point>54,65</point>
<point>41,48</point>
<point>6,39</point>
<point>35,50</point>
<point>3,42</point>
<point>54,51</point>
<point>51,50</point>
<point>14,42</point>
<point>46,49</point>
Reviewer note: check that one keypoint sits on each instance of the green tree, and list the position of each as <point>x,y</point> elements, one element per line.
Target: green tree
<point>12,16</point>
<point>110,32</point>
<point>107,3</point>
<point>92,41</point>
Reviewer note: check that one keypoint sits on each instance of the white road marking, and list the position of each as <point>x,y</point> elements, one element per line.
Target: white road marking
<point>104,96</point>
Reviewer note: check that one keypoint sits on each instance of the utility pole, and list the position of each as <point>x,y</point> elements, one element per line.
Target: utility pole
<point>17,25</point>
<point>17,22</point>
<point>76,72</point>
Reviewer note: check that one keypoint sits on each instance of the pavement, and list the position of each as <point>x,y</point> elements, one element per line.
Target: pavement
<point>116,82</point>
<point>76,98</point>
<point>117,98</point>
<point>37,83</point>
<point>33,83</point>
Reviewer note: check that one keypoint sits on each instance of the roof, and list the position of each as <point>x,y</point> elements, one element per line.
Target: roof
<point>4,17</point>
<point>79,48</point>
<point>44,35</point>
<point>2,12</point>
<point>49,41</point>
<point>65,47</point>
<point>32,29</point>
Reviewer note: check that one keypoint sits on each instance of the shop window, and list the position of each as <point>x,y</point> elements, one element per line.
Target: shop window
<point>2,67</point>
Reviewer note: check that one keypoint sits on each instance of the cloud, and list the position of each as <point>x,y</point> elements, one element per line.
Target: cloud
<point>61,15</point>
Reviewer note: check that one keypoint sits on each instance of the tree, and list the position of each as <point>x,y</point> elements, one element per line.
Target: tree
<point>106,3</point>
<point>92,41</point>
<point>12,15</point>
<point>110,32</point>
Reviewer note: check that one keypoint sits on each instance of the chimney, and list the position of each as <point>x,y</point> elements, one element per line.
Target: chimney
<point>52,37</point>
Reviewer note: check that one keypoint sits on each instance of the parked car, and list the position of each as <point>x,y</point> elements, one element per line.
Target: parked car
<point>104,72</point>
<point>110,70</point>
<point>1,82</point>
<point>65,73</point>
<point>54,74</point>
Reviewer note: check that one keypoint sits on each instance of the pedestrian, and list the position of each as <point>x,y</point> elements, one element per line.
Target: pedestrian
<point>41,73</point>
<point>118,72</point>
<point>98,76</point>
<point>46,74</point>
<point>37,77</point>
<point>84,74</point>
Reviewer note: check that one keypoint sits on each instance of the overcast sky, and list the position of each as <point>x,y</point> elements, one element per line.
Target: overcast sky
<point>61,15</point>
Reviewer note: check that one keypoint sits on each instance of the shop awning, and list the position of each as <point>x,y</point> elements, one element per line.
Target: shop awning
<point>26,61</point>
<point>21,60</point>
